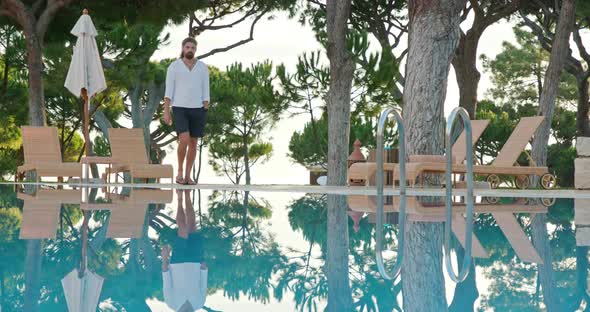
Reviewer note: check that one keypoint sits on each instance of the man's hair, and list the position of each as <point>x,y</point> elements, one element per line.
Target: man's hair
<point>185,41</point>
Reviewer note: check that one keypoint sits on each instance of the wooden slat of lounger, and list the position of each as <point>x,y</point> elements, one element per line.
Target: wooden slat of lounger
<point>61,196</point>
<point>367,203</point>
<point>127,146</point>
<point>42,154</point>
<point>40,219</point>
<point>41,145</point>
<point>459,229</point>
<point>459,151</point>
<point>413,170</point>
<point>129,154</point>
<point>366,171</point>
<point>477,129</point>
<point>151,196</point>
<point>127,220</point>
<point>516,236</point>
<point>151,170</point>
<point>516,143</point>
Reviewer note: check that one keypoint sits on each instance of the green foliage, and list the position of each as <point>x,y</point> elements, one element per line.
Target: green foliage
<point>236,242</point>
<point>310,146</point>
<point>246,106</point>
<point>518,73</point>
<point>101,146</point>
<point>560,160</point>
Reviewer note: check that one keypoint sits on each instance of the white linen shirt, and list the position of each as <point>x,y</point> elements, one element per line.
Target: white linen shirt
<point>185,281</point>
<point>187,88</point>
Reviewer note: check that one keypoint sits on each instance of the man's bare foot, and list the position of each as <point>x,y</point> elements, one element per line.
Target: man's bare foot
<point>189,181</point>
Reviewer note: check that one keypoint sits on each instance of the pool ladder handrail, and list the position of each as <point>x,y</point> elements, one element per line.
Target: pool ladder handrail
<point>469,199</point>
<point>402,191</point>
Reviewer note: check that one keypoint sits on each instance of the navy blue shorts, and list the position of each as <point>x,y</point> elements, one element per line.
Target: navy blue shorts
<point>187,249</point>
<point>190,120</point>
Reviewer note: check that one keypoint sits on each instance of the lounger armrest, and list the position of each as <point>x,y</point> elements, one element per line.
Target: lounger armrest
<point>96,160</point>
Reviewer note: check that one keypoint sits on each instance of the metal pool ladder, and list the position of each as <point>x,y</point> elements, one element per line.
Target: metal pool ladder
<point>402,191</point>
<point>469,199</point>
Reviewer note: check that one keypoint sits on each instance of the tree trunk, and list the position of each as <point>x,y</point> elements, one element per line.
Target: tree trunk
<point>582,121</point>
<point>32,275</point>
<point>433,37</point>
<point>464,63</point>
<point>559,53</point>
<point>341,74</point>
<point>35,63</point>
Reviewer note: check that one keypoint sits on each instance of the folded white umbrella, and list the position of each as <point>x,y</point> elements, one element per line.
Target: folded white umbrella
<point>86,68</point>
<point>82,294</point>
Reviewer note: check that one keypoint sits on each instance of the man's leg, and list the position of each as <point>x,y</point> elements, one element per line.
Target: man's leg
<point>191,222</point>
<point>183,144</point>
<point>183,231</point>
<point>190,157</point>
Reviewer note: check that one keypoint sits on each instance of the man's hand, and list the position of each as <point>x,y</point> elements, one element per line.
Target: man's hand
<point>167,118</point>
<point>206,104</point>
<point>166,251</point>
<point>165,257</point>
<point>203,265</point>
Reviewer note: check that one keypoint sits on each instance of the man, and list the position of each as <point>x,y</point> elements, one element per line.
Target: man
<point>185,274</point>
<point>187,91</point>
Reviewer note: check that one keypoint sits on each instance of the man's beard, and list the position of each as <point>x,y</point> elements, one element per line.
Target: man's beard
<point>189,55</point>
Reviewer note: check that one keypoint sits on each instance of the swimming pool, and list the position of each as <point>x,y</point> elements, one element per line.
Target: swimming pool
<point>270,254</point>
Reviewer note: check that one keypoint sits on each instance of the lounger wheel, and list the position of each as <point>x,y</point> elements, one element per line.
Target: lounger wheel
<point>493,180</point>
<point>522,182</point>
<point>548,202</point>
<point>492,200</point>
<point>548,181</point>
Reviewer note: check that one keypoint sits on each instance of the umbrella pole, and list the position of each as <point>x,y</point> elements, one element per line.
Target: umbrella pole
<point>86,122</point>
<point>83,260</point>
<point>87,174</point>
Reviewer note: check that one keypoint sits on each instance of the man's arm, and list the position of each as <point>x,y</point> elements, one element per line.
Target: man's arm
<point>203,284</point>
<point>205,91</point>
<point>168,94</point>
<point>166,274</point>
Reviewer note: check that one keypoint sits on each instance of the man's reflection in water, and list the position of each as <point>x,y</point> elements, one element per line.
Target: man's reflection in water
<point>185,273</point>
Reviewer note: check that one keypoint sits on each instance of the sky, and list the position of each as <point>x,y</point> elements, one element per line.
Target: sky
<point>282,40</point>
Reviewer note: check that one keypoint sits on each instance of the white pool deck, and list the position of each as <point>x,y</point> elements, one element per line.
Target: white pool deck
<point>337,190</point>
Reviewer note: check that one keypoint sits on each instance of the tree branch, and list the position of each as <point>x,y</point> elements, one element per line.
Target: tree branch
<point>14,9</point>
<point>239,43</point>
<point>37,6</point>
<point>53,6</point>
<point>501,12</point>
<point>581,48</point>
<point>202,27</point>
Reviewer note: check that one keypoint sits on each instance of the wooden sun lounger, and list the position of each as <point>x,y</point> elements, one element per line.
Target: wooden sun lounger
<point>128,152</point>
<point>128,212</point>
<point>502,165</point>
<point>42,154</point>
<point>459,150</point>
<point>517,237</point>
<point>41,212</point>
<point>414,209</point>
<point>503,213</point>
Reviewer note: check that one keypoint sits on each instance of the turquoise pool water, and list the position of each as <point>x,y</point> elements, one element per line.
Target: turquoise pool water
<point>268,255</point>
